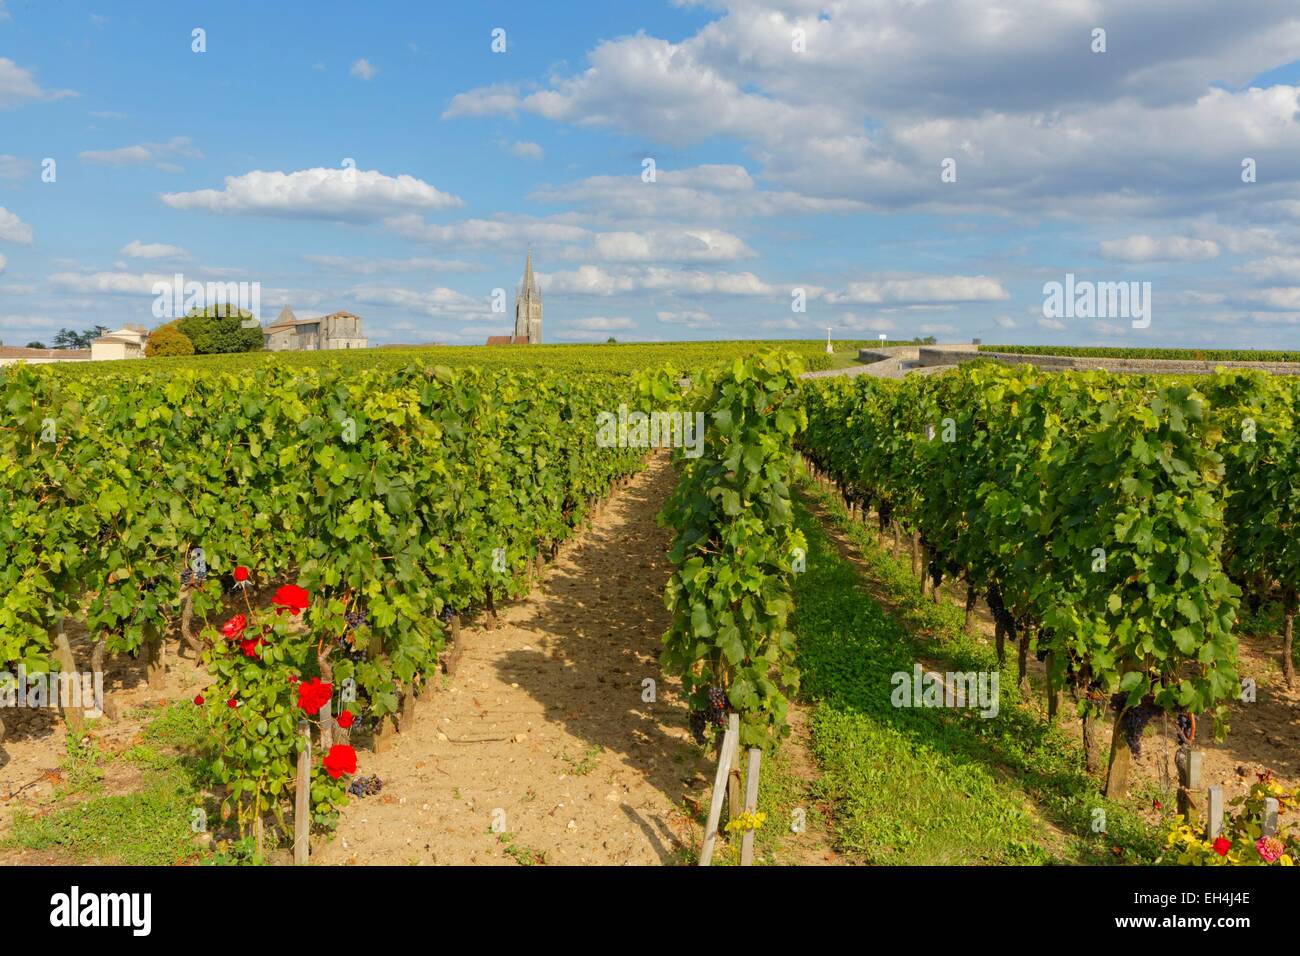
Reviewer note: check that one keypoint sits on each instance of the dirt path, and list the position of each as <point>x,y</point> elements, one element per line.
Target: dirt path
<point>544,722</point>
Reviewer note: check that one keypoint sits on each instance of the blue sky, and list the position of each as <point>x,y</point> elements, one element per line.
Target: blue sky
<point>797,145</point>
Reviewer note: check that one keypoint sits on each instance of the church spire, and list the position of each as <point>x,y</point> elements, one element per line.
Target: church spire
<point>530,285</point>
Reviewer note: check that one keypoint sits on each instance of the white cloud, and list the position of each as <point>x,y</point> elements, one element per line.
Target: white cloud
<point>676,245</point>
<point>3,262</point>
<point>18,87</point>
<point>511,232</point>
<point>526,150</point>
<point>14,168</point>
<point>108,283</point>
<point>1004,322</point>
<point>159,155</point>
<point>1144,248</point>
<point>363,70</point>
<point>13,229</point>
<point>691,318</point>
<point>355,265</point>
<point>600,323</point>
<point>135,249</point>
<point>1286,268</point>
<point>922,289</point>
<point>438,302</point>
<point>337,194</point>
<point>1280,298</point>
<point>1052,325</point>
<point>593,280</point>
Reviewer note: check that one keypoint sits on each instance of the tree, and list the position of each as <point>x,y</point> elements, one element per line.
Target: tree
<point>168,340</point>
<point>68,339</point>
<point>220,328</point>
<point>35,345</point>
<point>611,341</point>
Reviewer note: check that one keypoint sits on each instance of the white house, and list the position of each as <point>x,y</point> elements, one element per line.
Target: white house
<point>126,343</point>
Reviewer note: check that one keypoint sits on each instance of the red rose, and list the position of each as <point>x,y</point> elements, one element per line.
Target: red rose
<point>291,598</point>
<point>1222,845</point>
<point>232,703</point>
<point>241,573</point>
<point>198,700</point>
<point>312,697</point>
<point>293,678</point>
<point>250,647</point>
<point>345,719</point>
<point>234,628</point>
<point>340,760</point>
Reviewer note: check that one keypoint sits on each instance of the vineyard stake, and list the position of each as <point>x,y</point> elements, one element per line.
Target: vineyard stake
<point>302,799</point>
<point>155,656</point>
<point>74,717</point>
<point>1214,815</point>
<point>726,754</point>
<point>1270,817</point>
<point>751,804</point>
<point>1188,762</point>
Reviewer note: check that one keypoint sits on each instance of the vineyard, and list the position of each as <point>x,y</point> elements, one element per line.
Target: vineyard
<point>317,534</point>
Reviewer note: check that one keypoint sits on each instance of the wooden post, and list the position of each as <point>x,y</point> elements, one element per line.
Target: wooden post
<point>1288,630</point>
<point>726,756</point>
<point>1214,813</point>
<point>1022,661</point>
<point>751,804</point>
<point>327,725</point>
<point>1000,636</point>
<point>1117,770</point>
<point>4,755</point>
<point>155,656</point>
<point>1053,692</point>
<point>1269,827</point>
<point>74,717</point>
<point>491,610</point>
<point>1091,744</point>
<point>408,710</point>
<point>1188,762</point>
<point>970,606</point>
<point>302,799</point>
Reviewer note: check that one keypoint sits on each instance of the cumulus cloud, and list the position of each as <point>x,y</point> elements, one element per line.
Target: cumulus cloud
<point>108,283</point>
<point>594,280</point>
<point>159,155</point>
<point>1286,268</point>
<point>18,86</point>
<point>599,323</point>
<point>691,318</point>
<point>3,262</point>
<point>438,302</point>
<point>135,249</point>
<point>14,168</point>
<point>1159,249</point>
<point>357,265</point>
<point>921,289</point>
<point>1052,325</point>
<point>13,229</point>
<point>363,70</point>
<point>526,150</point>
<point>335,194</point>
<point>671,245</point>
<point>507,231</point>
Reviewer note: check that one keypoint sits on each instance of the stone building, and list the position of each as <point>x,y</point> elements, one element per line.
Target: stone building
<point>338,330</point>
<point>528,312</point>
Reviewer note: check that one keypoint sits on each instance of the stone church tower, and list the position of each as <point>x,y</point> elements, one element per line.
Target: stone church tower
<point>528,308</point>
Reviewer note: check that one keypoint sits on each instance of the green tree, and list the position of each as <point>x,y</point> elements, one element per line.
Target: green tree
<point>220,328</point>
<point>35,345</point>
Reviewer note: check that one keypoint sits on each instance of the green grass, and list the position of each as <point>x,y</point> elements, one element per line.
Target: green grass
<point>933,785</point>
<point>150,826</point>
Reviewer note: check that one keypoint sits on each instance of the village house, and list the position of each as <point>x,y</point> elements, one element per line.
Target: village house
<point>338,330</point>
<point>126,343</point>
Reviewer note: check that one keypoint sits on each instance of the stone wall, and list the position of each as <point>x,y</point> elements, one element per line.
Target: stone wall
<point>942,355</point>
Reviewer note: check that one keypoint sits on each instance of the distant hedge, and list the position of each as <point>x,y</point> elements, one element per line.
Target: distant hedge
<point>1185,355</point>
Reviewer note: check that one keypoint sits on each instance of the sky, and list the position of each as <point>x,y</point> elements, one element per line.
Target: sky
<point>680,170</point>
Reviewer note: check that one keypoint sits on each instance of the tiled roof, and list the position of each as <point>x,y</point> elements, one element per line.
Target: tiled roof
<point>14,351</point>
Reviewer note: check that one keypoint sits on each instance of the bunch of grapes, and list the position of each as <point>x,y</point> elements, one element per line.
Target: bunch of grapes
<point>699,722</point>
<point>365,786</point>
<point>1044,645</point>
<point>357,620</point>
<point>1186,727</point>
<point>716,712</point>
<point>189,575</point>
<point>446,614</point>
<point>105,533</point>
<point>1135,721</point>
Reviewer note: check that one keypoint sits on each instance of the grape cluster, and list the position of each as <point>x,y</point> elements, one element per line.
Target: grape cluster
<point>365,786</point>
<point>1135,721</point>
<point>446,614</point>
<point>714,712</point>
<point>105,533</point>
<point>1044,644</point>
<point>357,620</point>
<point>1186,729</point>
<point>189,575</point>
